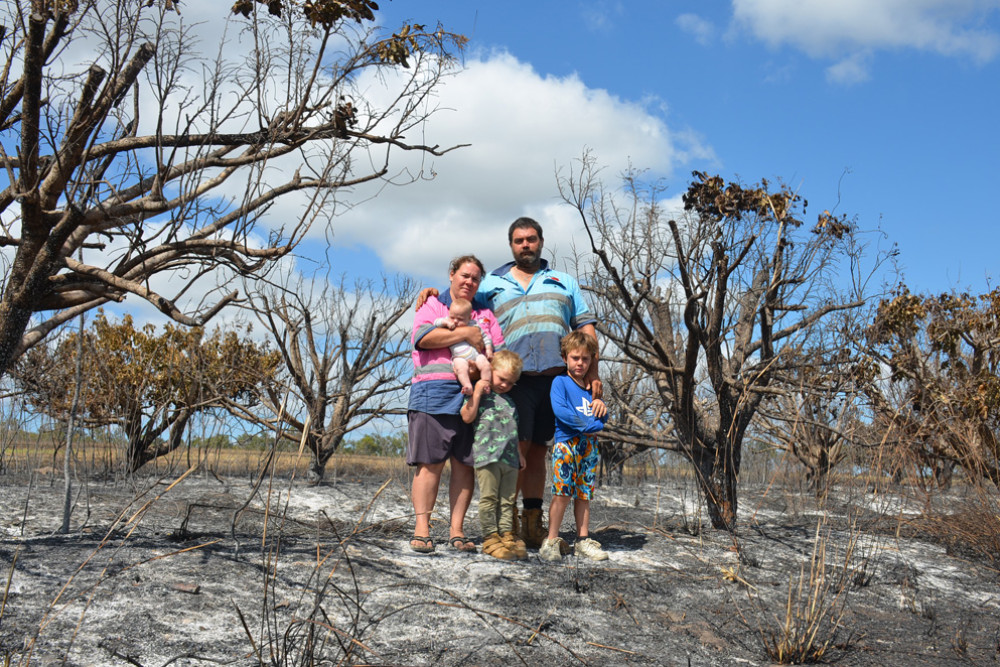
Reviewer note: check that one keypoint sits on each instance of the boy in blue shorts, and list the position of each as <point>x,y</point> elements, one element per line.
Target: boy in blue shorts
<point>574,455</point>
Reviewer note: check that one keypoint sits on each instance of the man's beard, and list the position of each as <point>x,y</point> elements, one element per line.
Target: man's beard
<point>527,261</point>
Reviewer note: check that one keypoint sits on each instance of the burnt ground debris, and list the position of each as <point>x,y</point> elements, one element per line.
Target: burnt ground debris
<point>212,571</point>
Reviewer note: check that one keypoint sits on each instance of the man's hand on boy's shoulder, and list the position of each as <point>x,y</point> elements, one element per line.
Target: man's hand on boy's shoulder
<point>425,294</point>
<point>596,388</point>
<point>598,408</point>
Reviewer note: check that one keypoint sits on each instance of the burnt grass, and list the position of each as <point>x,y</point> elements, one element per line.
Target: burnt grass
<point>213,571</point>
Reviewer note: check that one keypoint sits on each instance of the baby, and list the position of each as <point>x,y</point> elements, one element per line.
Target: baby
<point>463,354</point>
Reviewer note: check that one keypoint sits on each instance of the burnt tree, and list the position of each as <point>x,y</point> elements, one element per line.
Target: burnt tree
<point>713,304</point>
<point>141,158</point>
<point>345,360</point>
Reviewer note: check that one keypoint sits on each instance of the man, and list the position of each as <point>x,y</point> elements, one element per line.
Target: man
<point>535,306</point>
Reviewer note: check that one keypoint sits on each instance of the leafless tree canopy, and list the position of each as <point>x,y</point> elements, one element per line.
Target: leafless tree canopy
<point>817,417</point>
<point>638,417</point>
<point>140,158</point>
<point>345,362</point>
<point>713,306</point>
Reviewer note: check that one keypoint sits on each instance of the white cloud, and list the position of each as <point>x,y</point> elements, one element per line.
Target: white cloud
<point>850,70</point>
<point>521,127</point>
<point>848,29</point>
<point>703,31</point>
<point>600,16</point>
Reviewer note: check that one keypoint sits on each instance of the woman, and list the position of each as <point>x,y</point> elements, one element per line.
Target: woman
<point>437,433</point>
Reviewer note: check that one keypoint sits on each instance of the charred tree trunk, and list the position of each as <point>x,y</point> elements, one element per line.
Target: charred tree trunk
<point>142,447</point>
<point>13,321</point>
<point>715,453</point>
<point>322,449</point>
<point>613,458</point>
<point>717,470</point>
<point>137,452</point>
<point>944,472</point>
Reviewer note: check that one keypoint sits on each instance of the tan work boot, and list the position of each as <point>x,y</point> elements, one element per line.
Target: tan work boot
<point>533,531</point>
<point>493,546</point>
<point>515,545</point>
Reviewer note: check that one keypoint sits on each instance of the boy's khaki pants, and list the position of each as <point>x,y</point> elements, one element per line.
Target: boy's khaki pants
<point>497,492</point>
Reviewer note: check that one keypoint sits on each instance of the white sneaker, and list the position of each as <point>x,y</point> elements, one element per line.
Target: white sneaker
<point>550,549</point>
<point>589,548</point>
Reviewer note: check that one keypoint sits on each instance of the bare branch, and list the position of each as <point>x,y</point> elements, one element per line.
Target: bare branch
<point>154,172</point>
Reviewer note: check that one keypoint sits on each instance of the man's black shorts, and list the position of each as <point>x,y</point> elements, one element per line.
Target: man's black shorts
<point>532,397</point>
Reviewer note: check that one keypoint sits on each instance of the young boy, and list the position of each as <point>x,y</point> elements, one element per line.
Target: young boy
<point>463,355</point>
<point>496,457</point>
<point>574,455</point>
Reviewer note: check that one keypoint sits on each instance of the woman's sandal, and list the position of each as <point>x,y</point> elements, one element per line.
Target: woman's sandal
<point>463,544</point>
<point>422,544</point>
<point>493,546</point>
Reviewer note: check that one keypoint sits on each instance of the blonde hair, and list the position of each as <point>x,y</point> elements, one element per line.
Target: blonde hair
<point>508,360</point>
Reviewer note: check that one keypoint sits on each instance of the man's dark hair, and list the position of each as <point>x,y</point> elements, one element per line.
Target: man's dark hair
<point>524,223</point>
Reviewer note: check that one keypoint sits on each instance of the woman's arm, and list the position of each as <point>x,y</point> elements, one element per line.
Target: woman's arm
<point>441,338</point>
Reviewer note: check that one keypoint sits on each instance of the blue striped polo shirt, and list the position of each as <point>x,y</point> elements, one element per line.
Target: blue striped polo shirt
<point>534,320</point>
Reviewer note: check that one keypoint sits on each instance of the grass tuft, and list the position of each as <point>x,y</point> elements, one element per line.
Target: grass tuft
<point>808,625</point>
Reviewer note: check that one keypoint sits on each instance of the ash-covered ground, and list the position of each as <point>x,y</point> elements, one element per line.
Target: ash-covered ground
<point>214,571</point>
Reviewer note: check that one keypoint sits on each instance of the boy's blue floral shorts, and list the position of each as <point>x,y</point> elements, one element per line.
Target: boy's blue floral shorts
<point>574,467</point>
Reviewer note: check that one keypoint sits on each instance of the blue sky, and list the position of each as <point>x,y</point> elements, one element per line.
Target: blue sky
<point>878,109</point>
<point>883,109</point>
